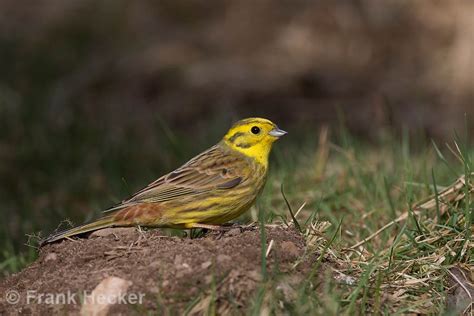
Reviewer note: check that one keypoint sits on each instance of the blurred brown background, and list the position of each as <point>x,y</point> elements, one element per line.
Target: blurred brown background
<point>381,62</point>
<point>95,92</point>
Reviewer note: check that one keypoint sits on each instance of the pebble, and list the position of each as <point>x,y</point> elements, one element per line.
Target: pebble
<point>52,256</point>
<point>206,264</point>
<point>290,248</point>
<point>223,258</point>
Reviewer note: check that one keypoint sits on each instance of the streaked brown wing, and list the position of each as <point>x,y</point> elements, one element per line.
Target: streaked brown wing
<point>214,169</point>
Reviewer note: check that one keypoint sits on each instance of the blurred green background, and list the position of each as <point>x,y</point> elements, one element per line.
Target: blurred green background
<point>97,98</point>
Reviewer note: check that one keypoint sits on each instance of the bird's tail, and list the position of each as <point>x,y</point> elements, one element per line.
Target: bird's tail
<point>104,222</point>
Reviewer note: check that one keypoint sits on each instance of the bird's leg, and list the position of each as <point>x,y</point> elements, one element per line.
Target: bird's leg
<point>210,227</point>
<point>248,227</point>
<point>222,229</point>
<point>242,228</point>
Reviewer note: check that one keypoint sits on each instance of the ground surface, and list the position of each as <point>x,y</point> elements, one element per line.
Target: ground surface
<point>385,229</point>
<point>175,274</point>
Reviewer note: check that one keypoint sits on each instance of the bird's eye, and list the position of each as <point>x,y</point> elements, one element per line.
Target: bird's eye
<point>255,130</point>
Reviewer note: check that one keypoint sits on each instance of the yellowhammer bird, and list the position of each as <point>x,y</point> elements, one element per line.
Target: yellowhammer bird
<point>213,188</point>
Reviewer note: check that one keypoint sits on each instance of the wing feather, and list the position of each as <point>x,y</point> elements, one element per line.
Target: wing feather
<point>214,169</point>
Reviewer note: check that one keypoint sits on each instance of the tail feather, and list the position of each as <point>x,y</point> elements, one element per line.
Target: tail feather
<point>107,221</point>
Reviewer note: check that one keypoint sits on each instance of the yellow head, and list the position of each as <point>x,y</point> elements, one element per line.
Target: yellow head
<point>253,137</point>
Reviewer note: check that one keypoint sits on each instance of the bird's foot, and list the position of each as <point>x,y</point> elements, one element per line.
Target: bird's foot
<point>231,228</point>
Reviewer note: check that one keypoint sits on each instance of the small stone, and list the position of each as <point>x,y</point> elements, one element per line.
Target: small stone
<point>233,232</point>
<point>206,264</point>
<point>178,260</point>
<point>115,231</point>
<point>255,275</point>
<point>155,264</point>
<point>223,258</point>
<point>290,248</point>
<point>52,256</point>
<point>208,279</point>
<point>104,296</point>
<point>154,289</point>
<point>208,243</point>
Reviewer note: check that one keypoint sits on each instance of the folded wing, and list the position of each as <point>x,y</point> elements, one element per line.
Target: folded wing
<point>214,169</point>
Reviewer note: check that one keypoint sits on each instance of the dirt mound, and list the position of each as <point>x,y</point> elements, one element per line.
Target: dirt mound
<point>171,274</point>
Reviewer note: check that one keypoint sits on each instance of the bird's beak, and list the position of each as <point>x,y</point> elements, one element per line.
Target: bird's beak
<point>276,132</point>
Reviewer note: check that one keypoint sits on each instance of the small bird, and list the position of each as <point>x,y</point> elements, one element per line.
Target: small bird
<point>209,190</point>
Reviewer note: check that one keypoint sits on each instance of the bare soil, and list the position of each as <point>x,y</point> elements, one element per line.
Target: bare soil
<point>175,274</point>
